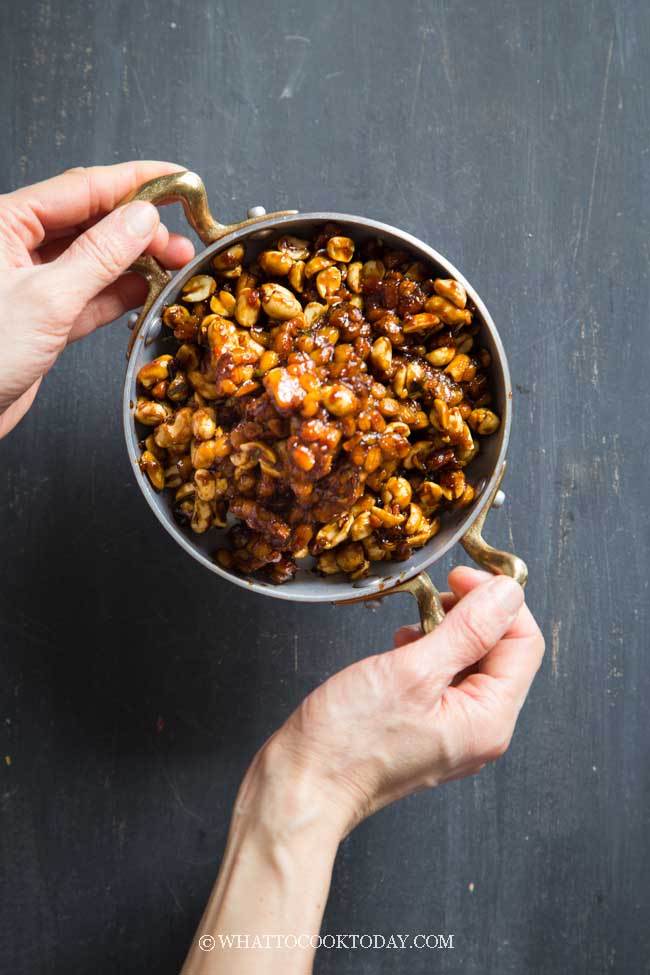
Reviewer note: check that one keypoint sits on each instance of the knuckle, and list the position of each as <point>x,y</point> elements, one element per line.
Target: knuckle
<point>100,253</point>
<point>84,183</point>
<point>471,627</point>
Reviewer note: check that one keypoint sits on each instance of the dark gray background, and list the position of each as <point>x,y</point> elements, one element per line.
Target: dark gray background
<point>512,136</point>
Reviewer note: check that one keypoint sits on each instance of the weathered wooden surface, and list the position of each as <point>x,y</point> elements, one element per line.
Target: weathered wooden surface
<point>135,687</point>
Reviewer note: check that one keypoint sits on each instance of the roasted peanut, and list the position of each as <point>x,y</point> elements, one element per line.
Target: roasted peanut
<point>228,260</point>
<point>353,280</point>
<point>204,424</point>
<point>422,322</point>
<point>327,564</point>
<point>333,533</point>
<point>176,430</point>
<point>150,413</point>
<point>275,262</point>
<point>397,490</point>
<point>361,527</point>
<point>416,521</point>
<point>441,356</point>
<point>375,550</point>
<point>296,248</point>
<point>297,276</point>
<point>340,249</point>
<point>159,452</point>
<point>430,495</point>
<point>451,290</point>
<point>387,519</point>
<point>382,354</point>
<point>245,280</point>
<point>372,270</point>
<point>447,311</point>
<point>202,516</point>
<point>206,486</point>
<point>247,307</point>
<point>223,304</point>
<point>153,469</point>
<point>175,316</point>
<point>350,557</point>
<point>279,303</point>
<point>153,372</point>
<point>339,400</point>
<point>313,313</point>
<point>198,288</point>
<point>268,360</point>
<point>416,271</point>
<point>317,264</point>
<point>178,389</point>
<point>461,369</point>
<point>328,281</point>
<point>186,492</point>
<point>483,422</point>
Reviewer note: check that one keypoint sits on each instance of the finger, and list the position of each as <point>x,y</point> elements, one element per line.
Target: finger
<point>413,631</point>
<point>71,233</point>
<point>128,292</point>
<point>470,629</point>
<point>463,579</point>
<point>78,195</point>
<point>172,250</point>
<point>511,668</point>
<point>99,256</point>
<point>177,253</point>
<point>407,634</point>
<point>49,252</point>
<point>514,660</point>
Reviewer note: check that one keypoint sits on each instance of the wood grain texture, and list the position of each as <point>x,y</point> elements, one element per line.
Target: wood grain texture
<point>513,136</point>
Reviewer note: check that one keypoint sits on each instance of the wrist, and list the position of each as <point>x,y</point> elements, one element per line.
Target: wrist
<point>276,870</point>
<point>285,798</point>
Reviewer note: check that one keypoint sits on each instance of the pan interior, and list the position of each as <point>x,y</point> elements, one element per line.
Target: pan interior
<point>155,340</point>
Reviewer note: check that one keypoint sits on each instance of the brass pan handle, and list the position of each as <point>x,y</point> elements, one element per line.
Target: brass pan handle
<point>484,554</point>
<point>487,557</point>
<point>188,189</point>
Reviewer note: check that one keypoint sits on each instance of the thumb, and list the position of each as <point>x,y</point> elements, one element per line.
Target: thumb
<point>470,630</point>
<point>104,251</point>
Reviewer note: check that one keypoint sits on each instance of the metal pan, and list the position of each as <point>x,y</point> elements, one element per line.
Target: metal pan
<point>147,340</point>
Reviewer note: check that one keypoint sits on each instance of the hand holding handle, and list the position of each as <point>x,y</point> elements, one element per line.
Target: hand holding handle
<point>188,189</point>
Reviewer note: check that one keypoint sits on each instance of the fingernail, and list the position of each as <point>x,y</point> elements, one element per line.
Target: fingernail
<point>141,218</point>
<point>507,593</point>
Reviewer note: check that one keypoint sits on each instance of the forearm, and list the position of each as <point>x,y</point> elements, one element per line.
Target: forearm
<point>274,879</point>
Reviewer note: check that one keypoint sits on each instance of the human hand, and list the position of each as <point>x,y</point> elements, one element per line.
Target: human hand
<point>436,708</point>
<point>62,254</point>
